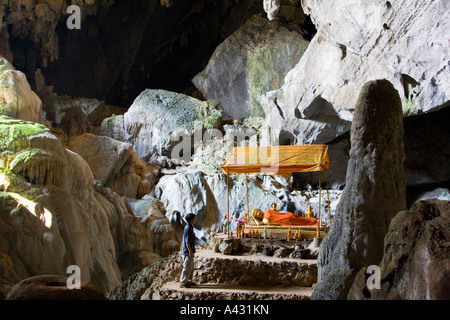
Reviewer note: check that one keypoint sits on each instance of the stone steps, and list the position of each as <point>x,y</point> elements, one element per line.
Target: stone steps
<point>254,270</point>
<point>211,291</point>
<point>244,277</point>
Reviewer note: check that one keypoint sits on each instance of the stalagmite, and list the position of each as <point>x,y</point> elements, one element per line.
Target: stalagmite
<point>271,7</point>
<point>375,191</point>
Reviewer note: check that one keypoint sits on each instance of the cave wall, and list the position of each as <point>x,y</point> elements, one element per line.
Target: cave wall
<point>121,49</point>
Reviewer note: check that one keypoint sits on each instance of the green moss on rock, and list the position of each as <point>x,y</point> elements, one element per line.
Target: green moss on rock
<point>23,158</point>
<point>13,129</point>
<point>259,78</point>
<point>11,182</point>
<point>208,114</point>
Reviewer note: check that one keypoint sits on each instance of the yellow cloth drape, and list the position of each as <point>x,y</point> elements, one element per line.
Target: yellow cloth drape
<point>277,159</point>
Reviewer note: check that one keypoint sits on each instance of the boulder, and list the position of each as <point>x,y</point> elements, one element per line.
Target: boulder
<point>53,287</point>
<point>252,61</point>
<point>114,164</point>
<point>188,193</point>
<point>438,193</point>
<point>105,156</point>
<point>416,260</point>
<point>374,193</point>
<point>17,100</point>
<point>226,248</point>
<point>156,115</point>
<point>382,39</point>
<point>74,116</point>
<point>151,231</point>
<point>158,120</point>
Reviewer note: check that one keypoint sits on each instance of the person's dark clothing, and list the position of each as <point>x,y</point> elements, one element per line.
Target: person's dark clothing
<point>188,237</point>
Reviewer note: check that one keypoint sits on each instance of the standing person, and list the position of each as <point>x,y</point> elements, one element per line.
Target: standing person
<point>188,252</point>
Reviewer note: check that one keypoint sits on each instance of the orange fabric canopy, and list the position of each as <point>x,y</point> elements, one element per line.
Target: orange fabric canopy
<point>277,159</point>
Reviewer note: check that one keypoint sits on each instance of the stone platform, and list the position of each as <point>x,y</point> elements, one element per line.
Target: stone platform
<point>244,276</point>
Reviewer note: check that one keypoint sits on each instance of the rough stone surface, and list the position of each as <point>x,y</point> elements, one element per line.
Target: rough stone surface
<point>50,218</point>
<point>105,156</point>
<point>17,100</point>
<point>53,216</point>
<point>252,61</point>
<point>75,116</point>
<point>374,193</point>
<point>427,151</point>
<point>382,39</point>
<point>217,269</point>
<point>416,260</point>
<point>146,45</point>
<point>158,120</point>
<point>52,287</point>
<point>271,7</point>
<point>438,193</point>
<point>114,164</point>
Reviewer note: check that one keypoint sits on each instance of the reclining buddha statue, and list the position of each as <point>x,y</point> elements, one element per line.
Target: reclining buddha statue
<point>272,216</point>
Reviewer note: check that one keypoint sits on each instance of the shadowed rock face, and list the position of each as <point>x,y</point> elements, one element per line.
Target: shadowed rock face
<point>374,193</point>
<point>416,259</point>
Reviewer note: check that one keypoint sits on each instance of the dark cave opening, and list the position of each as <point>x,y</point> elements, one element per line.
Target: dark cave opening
<point>125,49</point>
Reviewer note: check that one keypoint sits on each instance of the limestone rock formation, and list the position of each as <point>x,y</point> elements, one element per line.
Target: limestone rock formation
<point>438,193</point>
<point>120,49</point>
<point>158,233</point>
<point>416,260</point>
<point>114,164</point>
<point>252,61</point>
<point>374,193</point>
<point>158,120</point>
<point>271,7</point>
<point>17,100</point>
<point>50,217</point>
<point>74,116</point>
<point>39,21</point>
<point>359,41</point>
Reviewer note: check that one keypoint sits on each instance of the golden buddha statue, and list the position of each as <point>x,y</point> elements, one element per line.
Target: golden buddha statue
<point>309,213</point>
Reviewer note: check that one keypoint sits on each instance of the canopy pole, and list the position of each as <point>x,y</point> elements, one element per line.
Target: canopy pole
<point>246,193</point>
<point>228,207</point>
<point>328,198</point>
<point>320,204</point>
